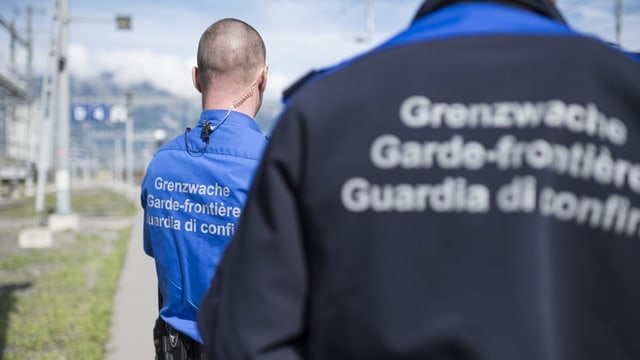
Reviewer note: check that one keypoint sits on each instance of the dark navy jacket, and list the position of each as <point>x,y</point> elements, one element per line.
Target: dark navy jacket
<point>468,190</point>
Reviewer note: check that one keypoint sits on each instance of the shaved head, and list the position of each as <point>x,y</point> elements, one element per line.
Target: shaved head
<point>230,48</point>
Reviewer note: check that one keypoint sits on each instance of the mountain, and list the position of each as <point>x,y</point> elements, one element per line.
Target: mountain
<point>100,144</point>
<point>151,108</point>
<point>97,147</point>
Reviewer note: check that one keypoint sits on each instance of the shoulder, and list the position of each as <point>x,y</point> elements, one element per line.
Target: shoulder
<point>306,79</point>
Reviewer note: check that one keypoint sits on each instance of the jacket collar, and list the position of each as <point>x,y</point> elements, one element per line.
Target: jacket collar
<point>541,7</point>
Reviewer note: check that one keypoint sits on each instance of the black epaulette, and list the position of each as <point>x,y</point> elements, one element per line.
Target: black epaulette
<point>288,92</point>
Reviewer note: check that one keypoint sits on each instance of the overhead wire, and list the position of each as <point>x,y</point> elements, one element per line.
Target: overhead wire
<point>333,19</point>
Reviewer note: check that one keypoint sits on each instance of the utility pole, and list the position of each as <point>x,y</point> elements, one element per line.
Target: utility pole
<point>63,170</point>
<point>63,173</point>
<point>29,52</point>
<point>370,20</point>
<point>619,22</point>
<point>30,123</point>
<point>369,23</point>
<point>129,146</point>
<point>48,107</point>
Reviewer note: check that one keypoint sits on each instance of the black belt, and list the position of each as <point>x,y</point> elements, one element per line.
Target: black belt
<point>171,344</point>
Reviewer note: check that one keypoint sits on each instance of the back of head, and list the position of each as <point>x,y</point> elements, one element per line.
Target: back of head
<point>230,49</point>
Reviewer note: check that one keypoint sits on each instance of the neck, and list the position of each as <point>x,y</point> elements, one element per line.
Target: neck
<point>247,103</point>
<point>245,96</point>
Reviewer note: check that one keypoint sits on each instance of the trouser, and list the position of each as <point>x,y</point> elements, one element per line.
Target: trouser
<point>171,344</point>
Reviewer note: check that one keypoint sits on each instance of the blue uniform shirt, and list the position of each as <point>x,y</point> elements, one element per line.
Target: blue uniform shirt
<point>192,195</point>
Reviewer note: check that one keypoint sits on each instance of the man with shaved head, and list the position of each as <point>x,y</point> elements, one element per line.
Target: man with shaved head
<point>231,59</point>
<point>196,184</point>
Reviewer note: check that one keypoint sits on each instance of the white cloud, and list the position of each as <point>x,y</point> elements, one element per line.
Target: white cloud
<point>167,71</point>
<point>300,35</point>
<point>276,83</point>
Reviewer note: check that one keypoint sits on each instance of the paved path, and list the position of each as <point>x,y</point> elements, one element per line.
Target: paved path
<point>135,303</point>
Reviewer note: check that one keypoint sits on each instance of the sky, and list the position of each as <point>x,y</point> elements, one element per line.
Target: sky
<point>299,34</point>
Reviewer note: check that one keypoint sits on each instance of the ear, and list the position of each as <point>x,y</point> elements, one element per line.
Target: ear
<point>262,86</point>
<point>196,79</point>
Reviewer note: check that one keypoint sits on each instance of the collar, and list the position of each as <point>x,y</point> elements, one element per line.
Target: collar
<point>549,20</point>
<point>542,7</point>
<point>216,117</point>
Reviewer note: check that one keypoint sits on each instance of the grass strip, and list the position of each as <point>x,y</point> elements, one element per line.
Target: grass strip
<point>56,303</point>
